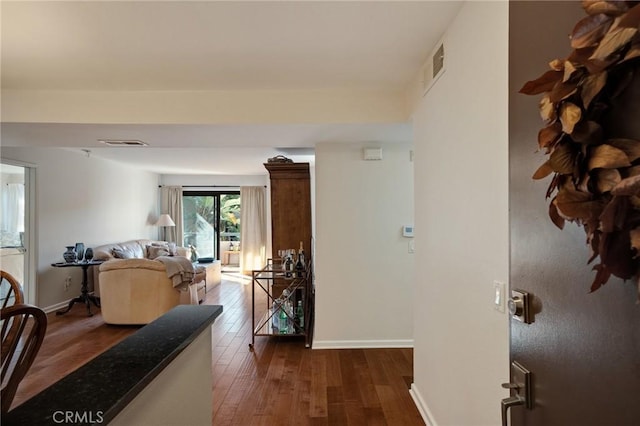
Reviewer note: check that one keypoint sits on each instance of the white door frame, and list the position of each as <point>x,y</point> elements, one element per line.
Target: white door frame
<point>30,231</point>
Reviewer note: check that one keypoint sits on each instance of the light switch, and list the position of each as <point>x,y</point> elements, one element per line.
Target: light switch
<point>499,290</point>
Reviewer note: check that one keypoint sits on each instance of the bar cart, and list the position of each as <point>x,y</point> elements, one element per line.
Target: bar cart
<point>282,291</point>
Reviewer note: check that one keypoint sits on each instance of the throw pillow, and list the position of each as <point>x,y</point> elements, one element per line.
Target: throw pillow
<point>122,254</point>
<point>155,251</point>
<point>173,249</point>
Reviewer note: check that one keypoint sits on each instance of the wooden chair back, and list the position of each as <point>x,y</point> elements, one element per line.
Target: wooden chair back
<point>23,330</point>
<point>10,290</point>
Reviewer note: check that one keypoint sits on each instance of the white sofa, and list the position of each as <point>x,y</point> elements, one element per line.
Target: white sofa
<point>134,288</point>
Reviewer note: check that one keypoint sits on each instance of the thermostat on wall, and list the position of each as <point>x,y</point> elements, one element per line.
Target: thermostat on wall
<point>407,231</point>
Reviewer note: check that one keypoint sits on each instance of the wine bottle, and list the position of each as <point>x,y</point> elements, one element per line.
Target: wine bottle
<point>288,267</point>
<point>300,262</point>
<point>284,312</point>
<point>300,265</point>
<point>300,315</point>
<point>301,258</point>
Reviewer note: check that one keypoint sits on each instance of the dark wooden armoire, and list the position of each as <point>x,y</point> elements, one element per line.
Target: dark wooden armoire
<point>290,207</point>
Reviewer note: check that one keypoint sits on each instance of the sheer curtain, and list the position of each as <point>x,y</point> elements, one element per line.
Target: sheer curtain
<point>171,203</point>
<point>13,208</point>
<point>253,228</point>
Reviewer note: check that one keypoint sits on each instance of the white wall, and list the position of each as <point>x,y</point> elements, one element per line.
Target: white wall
<point>461,192</point>
<point>198,107</point>
<point>363,271</point>
<point>225,180</point>
<point>83,199</point>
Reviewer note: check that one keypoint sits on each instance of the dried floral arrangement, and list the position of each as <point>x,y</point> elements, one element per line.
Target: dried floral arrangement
<point>596,177</point>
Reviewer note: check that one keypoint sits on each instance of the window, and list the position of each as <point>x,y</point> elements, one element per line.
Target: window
<point>211,221</point>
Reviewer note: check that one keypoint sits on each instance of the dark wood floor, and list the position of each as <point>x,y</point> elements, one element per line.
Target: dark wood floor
<point>279,383</point>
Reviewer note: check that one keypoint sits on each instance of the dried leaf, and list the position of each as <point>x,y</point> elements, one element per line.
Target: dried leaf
<point>542,84</point>
<point>602,276</point>
<point>547,110</point>
<point>576,205</point>
<point>591,86</point>
<point>562,91</point>
<point>570,114</point>
<point>583,183</point>
<point>634,236</point>
<point>549,135</point>
<point>632,171</point>
<point>616,253</point>
<point>581,56</point>
<point>612,41</point>
<point>556,65</point>
<point>607,179</point>
<point>569,71</point>
<point>595,66</point>
<point>554,184</point>
<point>614,215</point>
<point>612,8</point>
<point>632,53</point>
<point>628,186</point>
<point>631,19</point>
<point>587,132</point>
<point>555,216</point>
<point>563,159</point>
<point>590,30</point>
<point>543,171</point>
<point>630,147</point>
<point>607,157</point>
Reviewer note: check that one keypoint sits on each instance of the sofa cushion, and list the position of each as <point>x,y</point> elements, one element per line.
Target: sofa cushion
<point>115,264</point>
<point>155,251</point>
<point>137,247</point>
<point>119,253</point>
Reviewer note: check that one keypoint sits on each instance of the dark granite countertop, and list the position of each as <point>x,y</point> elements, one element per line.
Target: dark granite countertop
<point>100,389</point>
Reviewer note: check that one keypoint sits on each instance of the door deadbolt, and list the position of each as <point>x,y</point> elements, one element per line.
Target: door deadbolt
<point>520,306</point>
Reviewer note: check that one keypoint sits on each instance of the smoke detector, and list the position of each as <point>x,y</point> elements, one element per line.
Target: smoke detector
<point>123,142</point>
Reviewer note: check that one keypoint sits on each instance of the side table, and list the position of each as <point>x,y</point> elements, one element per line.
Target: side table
<point>226,256</point>
<point>84,297</point>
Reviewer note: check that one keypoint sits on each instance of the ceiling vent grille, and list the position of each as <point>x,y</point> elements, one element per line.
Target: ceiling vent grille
<point>438,61</point>
<point>433,68</point>
<point>123,142</point>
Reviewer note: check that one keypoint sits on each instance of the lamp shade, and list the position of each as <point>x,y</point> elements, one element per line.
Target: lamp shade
<point>165,220</point>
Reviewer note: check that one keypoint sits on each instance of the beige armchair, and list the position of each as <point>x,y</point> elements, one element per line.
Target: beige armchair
<point>137,291</point>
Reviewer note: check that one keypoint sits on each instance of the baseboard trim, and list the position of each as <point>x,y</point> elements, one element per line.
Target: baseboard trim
<point>426,414</point>
<point>56,307</point>
<point>361,344</point>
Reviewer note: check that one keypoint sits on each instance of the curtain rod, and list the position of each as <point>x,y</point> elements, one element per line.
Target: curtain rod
<point>211,186</point>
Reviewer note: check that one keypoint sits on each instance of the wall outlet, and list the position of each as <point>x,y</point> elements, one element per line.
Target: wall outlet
<point>67,283</point>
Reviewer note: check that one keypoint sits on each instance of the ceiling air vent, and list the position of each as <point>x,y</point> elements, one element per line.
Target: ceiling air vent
<point>433,68</point>
<point>122,142</point>
<point>438,61</point>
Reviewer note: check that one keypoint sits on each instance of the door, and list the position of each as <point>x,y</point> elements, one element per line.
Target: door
<point>583,349</point>
<point>15,225</point>
<point>211,221</point>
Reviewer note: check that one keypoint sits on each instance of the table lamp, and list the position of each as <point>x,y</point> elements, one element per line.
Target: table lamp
<point>163,221</point>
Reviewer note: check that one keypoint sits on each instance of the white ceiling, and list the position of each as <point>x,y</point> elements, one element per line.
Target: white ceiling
<point>213,45</point>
